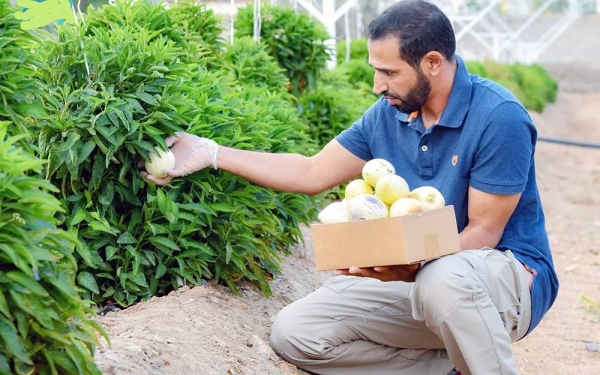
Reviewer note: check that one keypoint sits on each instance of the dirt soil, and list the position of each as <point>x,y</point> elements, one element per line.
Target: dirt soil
<point>206,330</point>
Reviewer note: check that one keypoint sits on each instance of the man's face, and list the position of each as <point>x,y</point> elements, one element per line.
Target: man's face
<point>404,87</point>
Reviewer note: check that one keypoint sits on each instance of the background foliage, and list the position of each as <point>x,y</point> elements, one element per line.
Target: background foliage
<point>294,39</point>
<point>19,90</point>
<point>532,84</point>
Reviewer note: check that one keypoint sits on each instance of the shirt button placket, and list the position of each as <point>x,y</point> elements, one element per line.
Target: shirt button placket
<point>425,161</point>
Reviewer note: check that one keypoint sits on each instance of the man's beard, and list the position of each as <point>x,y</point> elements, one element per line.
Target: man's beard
<point>416,98</point>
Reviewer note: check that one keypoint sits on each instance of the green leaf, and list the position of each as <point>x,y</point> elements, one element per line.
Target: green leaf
<point>160,271</point>
<point>33,110</point>
<point>228,252</point>
<point>164,242</point>
<point>78,217</point>
<point>33,307</point>
<point>87,280</point>
<point>4,307</point>
<point>4,366</point>
<point>126,238</point>
<point>14,345</point>
<point>147,98</point>
<point>27,281</point>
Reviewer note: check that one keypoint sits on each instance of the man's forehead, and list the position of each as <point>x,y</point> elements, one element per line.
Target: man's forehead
<point>384,51</point>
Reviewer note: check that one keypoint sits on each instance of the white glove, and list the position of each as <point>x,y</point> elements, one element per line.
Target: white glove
<point>192,154</point>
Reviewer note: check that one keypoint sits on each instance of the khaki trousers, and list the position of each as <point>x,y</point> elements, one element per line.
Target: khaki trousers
<point>463,310</point>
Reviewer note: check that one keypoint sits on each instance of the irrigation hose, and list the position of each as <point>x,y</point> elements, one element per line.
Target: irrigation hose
<point>569,142</point>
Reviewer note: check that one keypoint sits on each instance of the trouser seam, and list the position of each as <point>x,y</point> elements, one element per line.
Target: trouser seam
<point>502,370</point>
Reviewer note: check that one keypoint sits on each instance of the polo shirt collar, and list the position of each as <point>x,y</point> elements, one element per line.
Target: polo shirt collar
<point>458,103</point>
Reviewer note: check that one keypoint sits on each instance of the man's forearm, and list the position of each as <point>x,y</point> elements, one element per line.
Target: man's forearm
<point>476,237</point>
<point>283,172</point>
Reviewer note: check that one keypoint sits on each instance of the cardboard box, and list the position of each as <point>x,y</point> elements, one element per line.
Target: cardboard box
<point>382,242</point>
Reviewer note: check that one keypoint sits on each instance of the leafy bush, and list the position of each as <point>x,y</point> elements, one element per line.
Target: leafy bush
<point>18,87</point>
<point>251,65</point>
<point>138,239</point>
<point>537,85</point>
<point>190,25</point>
<point>358,50</point>
<point>531,84</point>
<point>477,68</point>
<point>43,324</point>
<point>294,39</point>
<point>332,107</point>
<point>359,73</point>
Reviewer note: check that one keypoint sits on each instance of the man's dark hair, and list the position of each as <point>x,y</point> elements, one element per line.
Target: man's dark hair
<point>420,26</point>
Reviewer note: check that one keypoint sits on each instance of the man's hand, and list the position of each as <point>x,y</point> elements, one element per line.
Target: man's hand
<point>389,273</point>
<point>42,13</point>
<point>192,153</point>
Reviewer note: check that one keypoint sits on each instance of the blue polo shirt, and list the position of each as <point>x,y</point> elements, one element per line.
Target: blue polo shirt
<point>484,139</point>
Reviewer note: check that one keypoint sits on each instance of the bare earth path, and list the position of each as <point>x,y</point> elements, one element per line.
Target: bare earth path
<point>206,330</point>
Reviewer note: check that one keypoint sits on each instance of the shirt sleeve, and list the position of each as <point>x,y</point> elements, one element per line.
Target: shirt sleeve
<point>356,138</point>
<point>505,155</point>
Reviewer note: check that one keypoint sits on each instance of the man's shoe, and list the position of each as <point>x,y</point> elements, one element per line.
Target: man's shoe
<point>454,372</point>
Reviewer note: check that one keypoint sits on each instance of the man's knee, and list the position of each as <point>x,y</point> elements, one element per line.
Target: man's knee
<point>289,336</point>
<point>441,288</point>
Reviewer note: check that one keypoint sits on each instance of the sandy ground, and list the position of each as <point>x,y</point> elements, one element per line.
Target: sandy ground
<point>206,330</point>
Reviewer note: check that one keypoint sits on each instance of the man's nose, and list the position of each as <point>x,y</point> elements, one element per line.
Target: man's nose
<point>379,85</point>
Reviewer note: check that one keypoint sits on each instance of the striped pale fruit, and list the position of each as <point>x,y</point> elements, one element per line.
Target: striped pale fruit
<point>391,187</point>
<point>366,207</point>
<point>160,162</point>
<point>334,213</point>
<point>356,187</point>
<point>430,197</point>
<point>375,168</point>
<point>405,206</point>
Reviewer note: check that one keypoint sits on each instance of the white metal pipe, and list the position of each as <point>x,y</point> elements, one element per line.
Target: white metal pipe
<point>347,35</point>
<point>329,18</point>
<point>534,16</point>
<point>341,10</point>
<point>312,10</point>
<point>481,15</point>
<point>232,23</point>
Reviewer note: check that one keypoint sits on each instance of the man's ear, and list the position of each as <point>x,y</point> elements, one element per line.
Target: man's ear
<point>431,64</point>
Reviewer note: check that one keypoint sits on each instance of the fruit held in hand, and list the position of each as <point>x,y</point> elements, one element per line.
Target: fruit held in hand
<point>160,162</point>
<point>391,187</point>
<point>334,213</point>
<point>366,207</point>
<point>356,187</point>
<point>405,206</point>
<point>375,168</point>
<point>430,197</point>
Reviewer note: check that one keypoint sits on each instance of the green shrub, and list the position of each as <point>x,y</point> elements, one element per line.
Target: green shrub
<point>137,239</point>
<point>190,25</point>
<point>251,65</point>
<point>359,73</point>
<point>477,68</point>
<point>294,39</point>
<point>43,324</point>
<point>358,50</point>
<point>18,87</point>
<point>551,85</point>
<point>531,84</point>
